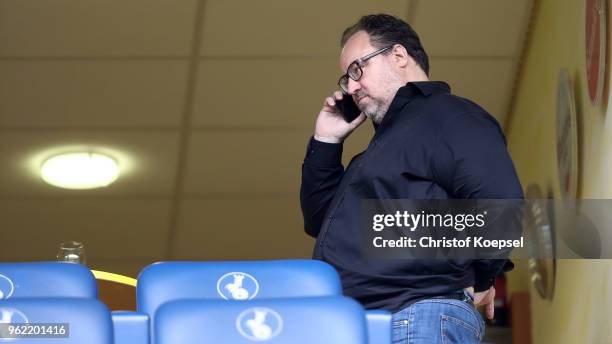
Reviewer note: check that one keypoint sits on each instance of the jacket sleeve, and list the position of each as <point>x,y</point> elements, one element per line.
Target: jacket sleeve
<point>472,161</point>
<point>322,171</point>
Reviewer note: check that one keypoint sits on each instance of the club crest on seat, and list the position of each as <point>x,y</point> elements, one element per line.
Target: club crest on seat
<point>6,287</point>
<point>237,286</point>
<point>259,323</point>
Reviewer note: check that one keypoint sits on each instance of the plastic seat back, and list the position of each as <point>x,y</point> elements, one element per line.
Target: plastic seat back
<point>328,320</point>
<point>46,279</point>
<point>163,282</point>
<point>130,327</point>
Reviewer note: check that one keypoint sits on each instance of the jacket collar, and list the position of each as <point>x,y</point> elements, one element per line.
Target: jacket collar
<point>411,91</point>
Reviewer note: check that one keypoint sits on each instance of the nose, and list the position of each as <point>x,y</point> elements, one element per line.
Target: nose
<point>353,86</point>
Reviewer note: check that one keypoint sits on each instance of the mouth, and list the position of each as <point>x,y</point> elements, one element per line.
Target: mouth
<point>359,99</point>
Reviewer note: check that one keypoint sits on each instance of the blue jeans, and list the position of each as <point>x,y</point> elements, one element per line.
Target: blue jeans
<point>438,321</point>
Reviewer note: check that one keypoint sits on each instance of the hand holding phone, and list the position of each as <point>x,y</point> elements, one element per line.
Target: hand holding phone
<point>338,117</point>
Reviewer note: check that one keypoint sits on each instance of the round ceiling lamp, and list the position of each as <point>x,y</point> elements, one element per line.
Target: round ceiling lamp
<point>79,171</point>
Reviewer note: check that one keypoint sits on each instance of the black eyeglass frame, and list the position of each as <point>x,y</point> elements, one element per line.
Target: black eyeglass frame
<point>358,62</point>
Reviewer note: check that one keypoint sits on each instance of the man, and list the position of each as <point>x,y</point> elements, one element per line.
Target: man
<point>428,144</point>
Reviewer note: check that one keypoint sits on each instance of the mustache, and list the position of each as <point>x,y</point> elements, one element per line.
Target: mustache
<point>360,94</point>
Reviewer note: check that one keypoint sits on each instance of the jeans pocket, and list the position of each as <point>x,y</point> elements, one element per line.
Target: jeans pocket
<point>457,331</point>
<point>400,331</point>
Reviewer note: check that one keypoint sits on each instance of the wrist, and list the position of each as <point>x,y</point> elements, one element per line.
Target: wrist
<point>327,139</point>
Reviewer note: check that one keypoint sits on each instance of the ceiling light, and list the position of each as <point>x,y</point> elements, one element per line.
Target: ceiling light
<point>84,170</point>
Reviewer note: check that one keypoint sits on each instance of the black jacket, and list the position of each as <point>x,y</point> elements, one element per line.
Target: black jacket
<point>430,145</point>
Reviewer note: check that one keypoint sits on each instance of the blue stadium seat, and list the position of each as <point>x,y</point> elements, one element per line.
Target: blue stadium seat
<point>379,327</point>
<point>131,327</point>
<point>46,279</point>
<point>88,320</point>
<point>321,320</point>
<point>163,282</point>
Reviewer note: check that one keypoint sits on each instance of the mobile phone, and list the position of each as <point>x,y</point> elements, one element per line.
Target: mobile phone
<point>348,108</point>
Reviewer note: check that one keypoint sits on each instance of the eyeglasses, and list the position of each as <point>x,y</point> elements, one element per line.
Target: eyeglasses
<point>354,70</point>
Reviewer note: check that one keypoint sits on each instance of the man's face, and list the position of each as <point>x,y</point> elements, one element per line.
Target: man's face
<point>375,90</point>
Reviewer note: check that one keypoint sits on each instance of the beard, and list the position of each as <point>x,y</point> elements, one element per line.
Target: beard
<point>375,109</point>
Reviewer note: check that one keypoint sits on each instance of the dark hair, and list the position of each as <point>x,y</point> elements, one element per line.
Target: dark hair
<point>386,30</point>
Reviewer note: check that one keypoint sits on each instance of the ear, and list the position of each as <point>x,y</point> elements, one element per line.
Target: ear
<point>401,57</point>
